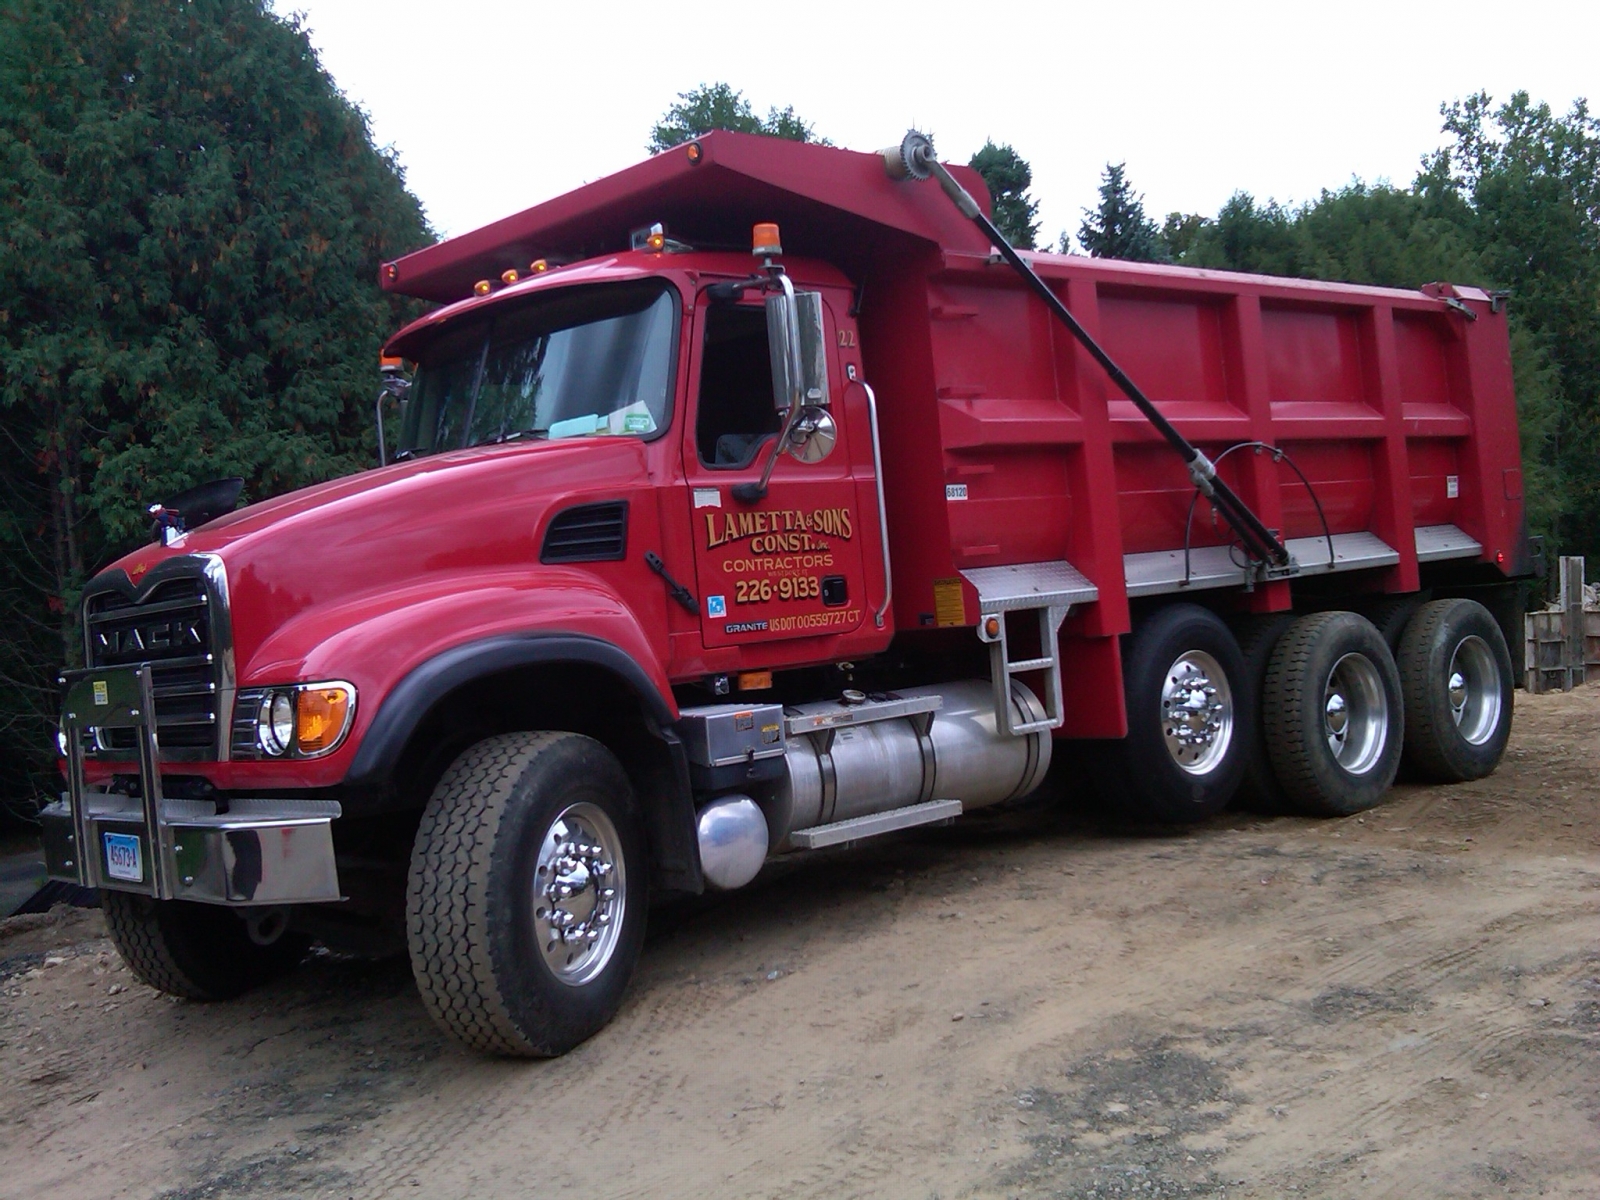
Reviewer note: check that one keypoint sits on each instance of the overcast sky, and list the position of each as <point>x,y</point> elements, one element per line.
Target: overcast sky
<point>495,105</point>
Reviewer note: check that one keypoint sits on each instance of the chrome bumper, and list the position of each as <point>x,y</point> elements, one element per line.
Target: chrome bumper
<point>258,852</point>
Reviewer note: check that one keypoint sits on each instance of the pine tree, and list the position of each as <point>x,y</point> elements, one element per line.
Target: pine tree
<point>1118,227</point>
<point>1008,177</point>
<point>720,106</point>
<point>192,218</point>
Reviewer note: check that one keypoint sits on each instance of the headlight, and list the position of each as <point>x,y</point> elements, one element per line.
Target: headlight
<point>275,723</point>
<point>302,720</point>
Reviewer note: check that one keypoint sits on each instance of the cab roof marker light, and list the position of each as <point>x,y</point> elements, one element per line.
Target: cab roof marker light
<point>481,288</point>
<point>648,237</point>
<point>538,266</point>
<point>509,276</point>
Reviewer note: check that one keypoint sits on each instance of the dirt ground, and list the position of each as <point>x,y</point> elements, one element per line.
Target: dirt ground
<point>1401,1004</point>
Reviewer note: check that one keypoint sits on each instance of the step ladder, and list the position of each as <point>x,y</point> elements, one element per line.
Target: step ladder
<point>1049,589</point>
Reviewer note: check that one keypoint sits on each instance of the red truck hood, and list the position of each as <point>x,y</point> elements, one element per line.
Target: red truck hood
<point>457,514</point>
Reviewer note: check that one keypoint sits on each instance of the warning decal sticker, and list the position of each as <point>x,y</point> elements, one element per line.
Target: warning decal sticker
<point>948,605</point>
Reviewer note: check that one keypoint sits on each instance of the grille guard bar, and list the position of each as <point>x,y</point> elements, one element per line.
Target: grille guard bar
<point>259,852</point>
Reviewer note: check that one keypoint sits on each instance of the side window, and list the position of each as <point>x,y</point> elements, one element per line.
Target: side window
<point>736,411</point>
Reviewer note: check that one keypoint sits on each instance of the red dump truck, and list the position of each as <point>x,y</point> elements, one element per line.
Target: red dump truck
<point>689,558</point>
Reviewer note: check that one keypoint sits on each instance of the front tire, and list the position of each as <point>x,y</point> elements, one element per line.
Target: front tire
<point>525,904</point>
<point>1189,700</point>
<point>197,951</point>
<point>1456,676</point>
<point>1331,710</point>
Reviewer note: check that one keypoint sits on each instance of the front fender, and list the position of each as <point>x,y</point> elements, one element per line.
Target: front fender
<point>415,695</point>
<point>404,649</point>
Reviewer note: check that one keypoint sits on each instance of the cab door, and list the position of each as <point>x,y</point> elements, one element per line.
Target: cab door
<point>789,565</point>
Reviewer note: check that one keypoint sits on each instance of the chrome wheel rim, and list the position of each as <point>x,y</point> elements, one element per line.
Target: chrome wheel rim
<point>1196,712</point>
<point>579,892</point>
<point>1472,686</point>
<point>1355,713</point>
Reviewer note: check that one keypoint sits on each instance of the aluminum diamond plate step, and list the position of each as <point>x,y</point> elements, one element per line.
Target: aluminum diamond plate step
<point>874,824</point>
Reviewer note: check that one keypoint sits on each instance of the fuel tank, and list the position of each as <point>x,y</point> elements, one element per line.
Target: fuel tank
<point>954,752</point>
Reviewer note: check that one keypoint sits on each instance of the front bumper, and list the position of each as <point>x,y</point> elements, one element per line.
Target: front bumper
<point>258,852</point>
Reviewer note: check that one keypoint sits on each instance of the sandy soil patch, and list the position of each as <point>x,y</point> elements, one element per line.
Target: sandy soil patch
<point>1404,1003</point>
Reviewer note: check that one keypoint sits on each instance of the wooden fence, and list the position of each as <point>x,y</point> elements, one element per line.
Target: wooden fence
<point>1563,641</point>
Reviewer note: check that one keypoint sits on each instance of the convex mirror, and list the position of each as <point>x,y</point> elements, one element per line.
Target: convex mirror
<point>812,435</point>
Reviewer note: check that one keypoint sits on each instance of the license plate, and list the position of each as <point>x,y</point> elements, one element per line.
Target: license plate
<point>123,857</point>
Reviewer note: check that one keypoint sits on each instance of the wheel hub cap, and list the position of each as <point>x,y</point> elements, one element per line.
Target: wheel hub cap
<point>1338,711</point>
<point>1196,712</point>
<point>1355,713</point>
<point>1473,688</point>
<point>578,893</point>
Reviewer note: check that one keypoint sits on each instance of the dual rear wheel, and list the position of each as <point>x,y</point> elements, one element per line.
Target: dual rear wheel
<point>1312,714</point>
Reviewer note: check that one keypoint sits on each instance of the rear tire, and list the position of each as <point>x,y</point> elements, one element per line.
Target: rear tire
<point>1331,712</point>
<point>197,951</point>
<point>1456,676</point>
<point>1259,790</point>
<point>1188,702</point>
<point>525,904</point>
<point>1390,616</point>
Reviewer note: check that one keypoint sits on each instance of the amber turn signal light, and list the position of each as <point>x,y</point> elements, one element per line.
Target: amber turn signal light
<point>764,240</point>
<point>755,681</point>
<point>321,717</point>
<point>991,627</point>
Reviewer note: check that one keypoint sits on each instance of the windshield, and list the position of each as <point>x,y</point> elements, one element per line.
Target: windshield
<point>579,362</point>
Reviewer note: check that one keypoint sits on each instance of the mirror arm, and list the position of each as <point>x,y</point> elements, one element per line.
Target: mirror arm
<point>394,386</point>
<point>751,493</point>
<point>377,411</point>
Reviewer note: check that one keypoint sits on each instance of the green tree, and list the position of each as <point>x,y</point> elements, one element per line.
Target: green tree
<point>1179,231</point>
<point>1245,236</point>
<point>1118,226</point>
<point>1511,201</point>
<point>1008,178</point>
<point>1523,184</point>
<point>719,106</point>
<point>192,218</point>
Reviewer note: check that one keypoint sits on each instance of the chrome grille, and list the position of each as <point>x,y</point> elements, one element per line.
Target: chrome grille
<point>173,626</point>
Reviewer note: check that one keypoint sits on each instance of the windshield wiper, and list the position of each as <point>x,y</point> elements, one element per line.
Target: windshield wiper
<point>512,436</point>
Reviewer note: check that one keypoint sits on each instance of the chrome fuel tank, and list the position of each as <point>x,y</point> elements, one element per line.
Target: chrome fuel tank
<point>865,766</point>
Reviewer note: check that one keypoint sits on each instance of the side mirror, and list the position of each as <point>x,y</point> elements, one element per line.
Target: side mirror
<point>795,338</point>
<point>812,435</point>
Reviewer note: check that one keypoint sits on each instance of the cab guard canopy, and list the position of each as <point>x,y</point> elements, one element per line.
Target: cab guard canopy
<point>835,204</point>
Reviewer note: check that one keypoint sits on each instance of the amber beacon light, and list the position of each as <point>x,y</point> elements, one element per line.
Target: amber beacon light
<point>764,240</point>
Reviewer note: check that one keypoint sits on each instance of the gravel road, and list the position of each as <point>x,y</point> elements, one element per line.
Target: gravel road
<point>1401,1004</point>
